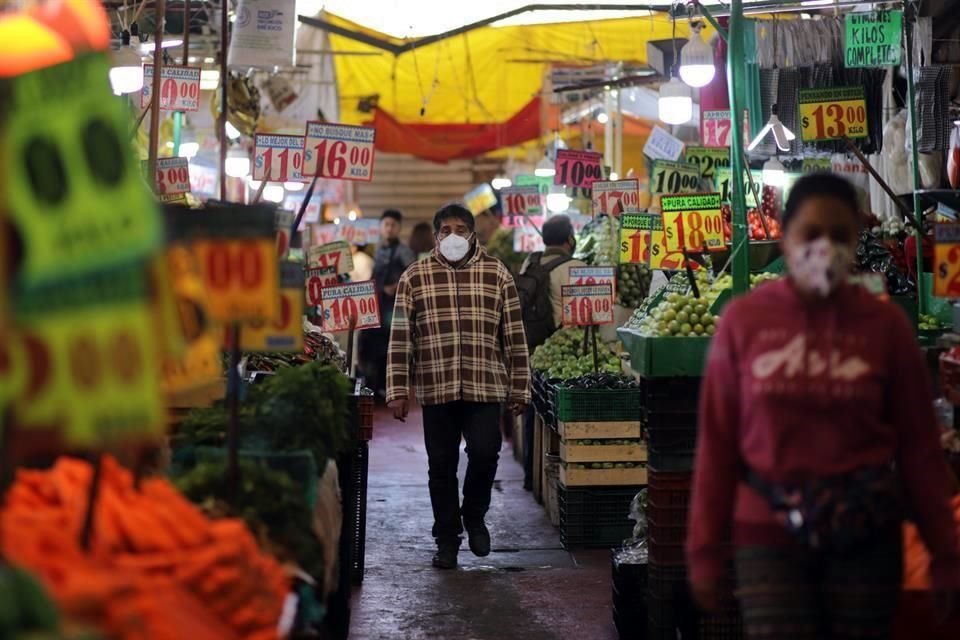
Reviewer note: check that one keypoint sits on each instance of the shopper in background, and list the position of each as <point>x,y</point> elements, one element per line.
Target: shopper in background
<point>817,435</point>
<point>541,277</point>
<point>421,240</point>
<point>458,332</point>
<point>390,260</point>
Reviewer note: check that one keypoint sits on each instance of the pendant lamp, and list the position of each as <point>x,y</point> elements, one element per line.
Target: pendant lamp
<point>781,134</point>
<point>696,59</point>
<point>675,105</point>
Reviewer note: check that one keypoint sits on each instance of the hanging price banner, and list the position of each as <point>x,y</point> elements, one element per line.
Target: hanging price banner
<point>316,280</point>
<point>278,158</point>
<point>520,203</point>
<point>179,88</point>
<point>284,223</point>
<point>693,223</point>
<point>285,333</point>
<point>946,260</point>
<point>594,275</point>
<point>578,168</point>
<point>350,303</point>
<point>587,304</point>
<point>709,160</point>
<point>614,198</point>
<point>340,151</point>
<point>715,128</point>
<point>674,177</point>
<point>173,176</point>
<point>333,254</point>
<point>723,179</point>
<point>828,114</point>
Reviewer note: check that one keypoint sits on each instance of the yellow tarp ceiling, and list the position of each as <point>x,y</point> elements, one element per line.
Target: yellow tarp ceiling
<point>486,75</point>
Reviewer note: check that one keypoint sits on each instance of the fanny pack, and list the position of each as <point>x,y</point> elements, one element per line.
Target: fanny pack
<point>837,512</point>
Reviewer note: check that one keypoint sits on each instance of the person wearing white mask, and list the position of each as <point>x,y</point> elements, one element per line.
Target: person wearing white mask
<point>458,332</point>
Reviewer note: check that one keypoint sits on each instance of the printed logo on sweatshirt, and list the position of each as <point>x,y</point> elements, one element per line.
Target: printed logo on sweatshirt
<point>794,359</point>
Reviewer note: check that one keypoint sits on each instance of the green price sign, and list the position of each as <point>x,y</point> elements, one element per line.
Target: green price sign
<point>873,39</point>
<point>724,181</point>
<point>674,177</point>
<point>708,159</point>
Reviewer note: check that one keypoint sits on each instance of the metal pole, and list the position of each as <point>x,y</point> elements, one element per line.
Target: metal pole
<point>608,152</point>
<point>917,185</point>
<point>618,135</point>
<point>736,75</point>
<point>222,124</point>
<point>155,97</point>
<point>178,116</point>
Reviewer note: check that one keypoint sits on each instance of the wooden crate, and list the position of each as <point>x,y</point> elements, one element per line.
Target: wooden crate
<point>602,477</point>
<point>635,452</point>
<point>599,430</point>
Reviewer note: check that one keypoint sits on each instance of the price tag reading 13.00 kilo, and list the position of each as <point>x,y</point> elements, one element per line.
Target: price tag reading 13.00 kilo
<point>946,260</point>
<point>587,304</point>
<point>615,198</point>
<point>340,151</point>
<point>829,114</point>
<point>347,305</point>
<point>693,223</point>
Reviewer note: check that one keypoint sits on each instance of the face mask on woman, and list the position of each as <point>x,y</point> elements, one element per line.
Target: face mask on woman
<point>820,266</point>
<point>454,247</point>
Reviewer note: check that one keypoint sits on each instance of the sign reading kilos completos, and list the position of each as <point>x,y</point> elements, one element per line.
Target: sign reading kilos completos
<point>873,39</point>
<point>179,88</point>
<point>340,151</point>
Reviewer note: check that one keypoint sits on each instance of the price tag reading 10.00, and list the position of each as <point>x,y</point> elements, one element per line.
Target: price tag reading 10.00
<point>946,260</point>
<point>179,88</point>
<point>347,305</point>
<point>693,223</point>
<point>579,169</point>
<point>829,114</point>
<point>614,198</point>
<point>173,176</point>
<point>278,158</point>
<point>587,304</point>
<point>674,177</point>
<point>340,151</point>
<point>520,202</point>
<point>241,278</point>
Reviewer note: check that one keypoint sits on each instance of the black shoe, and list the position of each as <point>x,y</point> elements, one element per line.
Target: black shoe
<point>446,558</point>
<point>478,536</point>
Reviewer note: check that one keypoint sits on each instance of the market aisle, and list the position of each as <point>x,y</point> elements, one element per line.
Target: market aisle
<point>528,588</point>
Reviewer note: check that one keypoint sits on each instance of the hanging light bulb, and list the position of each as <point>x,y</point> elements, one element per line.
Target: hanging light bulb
<point>273,193</point>
<point>501,182</point>
<point>781,134</point>
<point>545,168</point>
<point>675,105</point>
<point>603,118</point>
<point>293,186</point>
<point>696,59</point>
<point>774,173</point>
<point>126,74</point>
<point>557,199</point>
<point>232,132</point>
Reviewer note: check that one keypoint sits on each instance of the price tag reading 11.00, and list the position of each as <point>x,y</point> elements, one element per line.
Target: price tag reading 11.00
<point>278,158</point>
<point>173,176</point>
<point>520,203</point>
<point>179,88</point>
<point>829,114</point>
<point>579,169</point>
<point>587,304</point>
<point>946,260</point>
<point>693,223</point>
<point>350,304</point>
<point>340,151</point>
<point>614,198</point>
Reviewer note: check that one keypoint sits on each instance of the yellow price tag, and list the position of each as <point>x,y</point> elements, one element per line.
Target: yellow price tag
<point>286,332</point>
<point>946,260</point>
<point>829,114</point>
<point>642,239</point>
<point>693,223</point>
<point>240,276</point>
<point>73,189</point>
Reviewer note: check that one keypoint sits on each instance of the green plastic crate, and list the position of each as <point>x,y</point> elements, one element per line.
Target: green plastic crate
<point>598,405</point>
<point>665,357</point>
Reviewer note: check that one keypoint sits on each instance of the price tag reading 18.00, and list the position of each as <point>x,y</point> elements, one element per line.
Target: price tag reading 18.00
<point>333,254</point>
<point>946,260</point>
<point>519,203</point>
<point>350,304</point>
<point>614,198</point>
<point>278,158</point>
<point>674,177</point>
<point>829,114</point>
<point>693,223</point>
<point>578,168</point>
<point>179,88</point>
<point>173,176</point>
<point>340,151</point>
<point>587,304</point>
<point>286,332</point>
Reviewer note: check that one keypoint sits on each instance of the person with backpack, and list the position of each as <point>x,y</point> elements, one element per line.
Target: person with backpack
<point>541,277</point>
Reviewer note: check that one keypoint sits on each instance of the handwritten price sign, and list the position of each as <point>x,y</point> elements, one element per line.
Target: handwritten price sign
<point>179,88</point>
<point>715,129</point>
<point>285,333</point>
<point>278,158</point>
<point>614,198</point>
<point>173,176</point>
<point>346,304</point>
<point>674,177</point>
<point>333,254</point>
<point>520,203</point>
<point>946,260</point>
<point>579,169</point>
<point>316,280</point>
<point>693,223</point>
<point>587,304</point>
<point>828,114</point>
<point>709,160</point>
<point>340,151</point>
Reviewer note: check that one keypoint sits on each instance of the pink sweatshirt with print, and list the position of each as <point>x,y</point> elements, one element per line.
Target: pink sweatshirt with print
<point>796,390</point>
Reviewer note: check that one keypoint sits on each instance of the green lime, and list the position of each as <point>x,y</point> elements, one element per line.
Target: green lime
<point>686,328</point>
<point>682,317</point>
<point>698,329</point>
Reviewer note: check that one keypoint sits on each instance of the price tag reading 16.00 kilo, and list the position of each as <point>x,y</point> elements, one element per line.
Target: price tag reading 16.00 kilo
<point>347,305</point>
<point>340,151</point>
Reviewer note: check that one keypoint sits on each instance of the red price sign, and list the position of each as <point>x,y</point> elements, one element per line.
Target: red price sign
<point>173,176</point>
<point>715,128</point>
<point>587,304</point>
<point>278,158</point>
<point>333,254</point>
<point>340,151</point>
<point>317,280</point>
<point>179,88</point>
<point>578,169</point>
<point>692,223</point>
<point>616,197</point>
<point>347,305</point>
<point>592,275</point>
<point>520,203</point>
<point>828,114</point>
<point>946,260</point>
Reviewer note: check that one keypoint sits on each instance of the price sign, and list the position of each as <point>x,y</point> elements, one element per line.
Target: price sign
<point>284,222</point>
<point>240,275</point>
<point>642,240</point>
<point>578,169</point>
<point>340,151</point>
<point>946,260</point>
<point>674,177</point>
<point>614,198</point>
<point>333,254</point>
<point>715,129</point>
<point>344,304</point>
<point>285,333</point>
<point>723,179</point>
<point>73,190</point>
<point>662,146</point>
<point>709,160</point>
<point>179,88</point>
<point>480,198</point>
<point>173,176</point>
<point>520,202</point>
<point>587,304</point>
<point>526,239</point>
<point>693,223</point>
<point>594,275</point>
<point>873,39</point>
<point>828,114</point>
<point>278,158</point>
<point>318,279</point>
<point>543,183</point>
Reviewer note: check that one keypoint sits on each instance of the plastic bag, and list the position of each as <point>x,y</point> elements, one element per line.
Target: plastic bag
<point>953,158</point>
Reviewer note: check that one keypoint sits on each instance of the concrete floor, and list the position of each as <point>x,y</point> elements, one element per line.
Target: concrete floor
<point>529,588</point>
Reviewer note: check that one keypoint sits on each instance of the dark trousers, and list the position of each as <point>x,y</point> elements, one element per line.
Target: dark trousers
<point>443,425</point>
<point>373,345</point>
<point>528,424</point>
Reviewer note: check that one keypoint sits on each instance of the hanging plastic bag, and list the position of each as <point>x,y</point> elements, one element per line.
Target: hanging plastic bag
<point>953,158</point>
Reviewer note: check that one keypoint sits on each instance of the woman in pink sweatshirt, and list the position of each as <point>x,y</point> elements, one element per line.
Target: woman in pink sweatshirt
<point>817,437</point>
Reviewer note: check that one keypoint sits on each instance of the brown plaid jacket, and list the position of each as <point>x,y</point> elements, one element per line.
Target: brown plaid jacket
<point>459,331</point>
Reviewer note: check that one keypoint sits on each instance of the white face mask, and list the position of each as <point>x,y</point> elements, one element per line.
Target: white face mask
<point>454,247</point>
<point>820,266</point>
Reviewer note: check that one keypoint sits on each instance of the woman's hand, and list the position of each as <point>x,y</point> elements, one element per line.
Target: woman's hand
<point>710,597</point>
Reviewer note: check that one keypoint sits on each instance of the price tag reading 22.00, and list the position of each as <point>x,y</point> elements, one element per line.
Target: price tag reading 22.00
<point>614,198</point>
<point>340,151</point>
<point>347,305</point>
<point>693,223</point>
<point>829,114</point>
<point>579,169</point>
<point>278,158</point>
<point>585,304</point>
<point>946,260</point>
